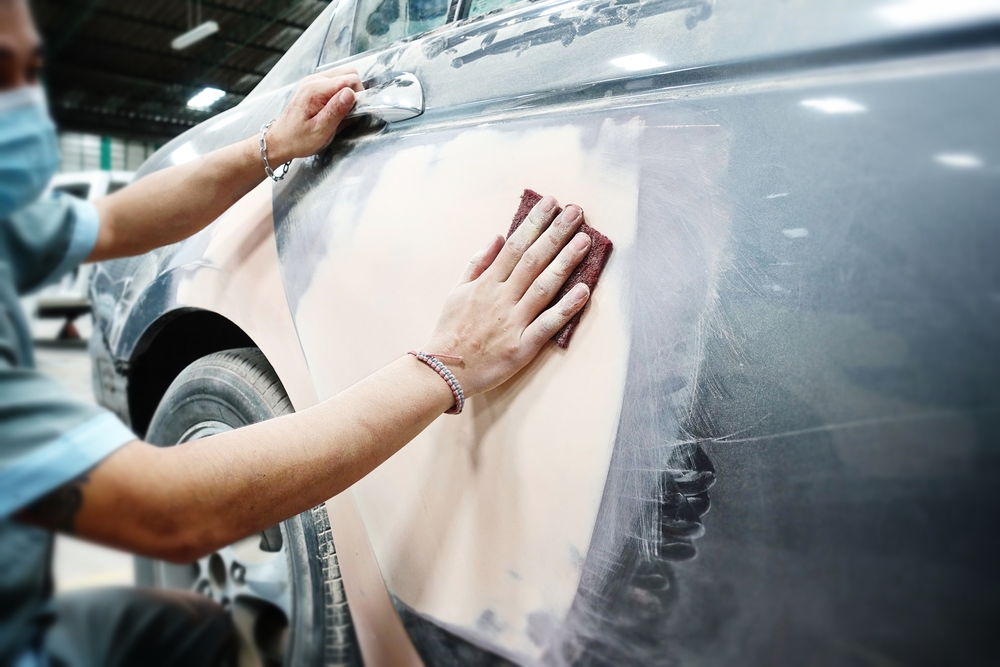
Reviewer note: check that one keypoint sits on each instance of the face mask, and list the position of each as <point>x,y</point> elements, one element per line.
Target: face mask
<point>29,151</point>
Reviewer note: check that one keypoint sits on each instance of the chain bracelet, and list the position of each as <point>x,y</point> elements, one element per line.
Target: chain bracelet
<point>262,142</point>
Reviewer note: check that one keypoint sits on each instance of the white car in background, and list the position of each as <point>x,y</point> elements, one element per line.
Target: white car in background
<point>67,300</point>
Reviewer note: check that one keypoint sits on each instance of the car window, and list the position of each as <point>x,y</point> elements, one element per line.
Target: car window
<point>381,22</point>
<point>80,190</point>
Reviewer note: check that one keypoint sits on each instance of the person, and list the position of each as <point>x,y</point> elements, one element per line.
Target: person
<point>67,466</point>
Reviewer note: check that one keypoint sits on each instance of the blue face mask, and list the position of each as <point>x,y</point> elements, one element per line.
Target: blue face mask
<point>29,151</point>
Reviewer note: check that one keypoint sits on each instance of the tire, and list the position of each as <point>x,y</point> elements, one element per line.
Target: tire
<point>295,612</point>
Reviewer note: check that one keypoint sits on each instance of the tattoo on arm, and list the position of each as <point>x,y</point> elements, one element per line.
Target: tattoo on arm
<point>58,509</point>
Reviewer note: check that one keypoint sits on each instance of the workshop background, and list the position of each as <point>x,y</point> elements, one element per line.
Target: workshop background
<point>119,88</point>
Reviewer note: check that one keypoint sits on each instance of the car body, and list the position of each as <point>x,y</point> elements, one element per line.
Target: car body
<point>68,299</point>
<point>799,326</point>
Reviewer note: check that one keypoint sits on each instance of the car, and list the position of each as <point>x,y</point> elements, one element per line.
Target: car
<point>68,299</point>
<point>772,440</point>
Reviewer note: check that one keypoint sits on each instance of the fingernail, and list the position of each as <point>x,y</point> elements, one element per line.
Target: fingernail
<point>345,96</point>
<point>571,213</point>
<point>580,241</point>
<point>578,292</point>
<point>548,203</point>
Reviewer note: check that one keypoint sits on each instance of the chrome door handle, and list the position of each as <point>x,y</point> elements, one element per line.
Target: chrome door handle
<point>400,98</point>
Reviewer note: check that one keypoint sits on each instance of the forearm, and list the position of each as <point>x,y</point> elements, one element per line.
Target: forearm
<point>181,502</point>
<point>170,205</point>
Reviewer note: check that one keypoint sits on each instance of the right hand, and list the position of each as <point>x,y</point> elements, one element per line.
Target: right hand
<point>494,317</point>
<point>309,122</point>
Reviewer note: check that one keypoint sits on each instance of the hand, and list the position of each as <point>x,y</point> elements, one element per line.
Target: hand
<point>309,122</point>
<point>494,318</point>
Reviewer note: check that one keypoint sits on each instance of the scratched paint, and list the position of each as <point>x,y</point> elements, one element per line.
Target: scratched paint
<point>488,525</point>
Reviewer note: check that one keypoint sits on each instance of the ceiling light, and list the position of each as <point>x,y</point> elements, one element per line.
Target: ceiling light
<point>206,98</point>
<point>195,35</point>
<point>637,62</point>
<point>833,105</point>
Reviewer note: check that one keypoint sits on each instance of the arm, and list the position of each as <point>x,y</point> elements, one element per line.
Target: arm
<point>179,503</point>
<point>171,205</point>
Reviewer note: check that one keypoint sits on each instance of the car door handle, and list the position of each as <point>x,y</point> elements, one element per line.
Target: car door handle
<point>400,98</point>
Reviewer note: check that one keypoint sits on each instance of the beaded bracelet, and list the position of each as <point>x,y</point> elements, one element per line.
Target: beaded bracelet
<point>438,367</point>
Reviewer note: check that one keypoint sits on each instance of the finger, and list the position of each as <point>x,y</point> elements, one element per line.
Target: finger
<point>334,85</point>
<point>319,88</point>
<point>546,286</point>
<point>544,249</point>
<point>344,71</point>
<point>536,222</point>
<point>337,107</point>
<point>323,89</point>
<point>482,260</point>
<point>555,318</point>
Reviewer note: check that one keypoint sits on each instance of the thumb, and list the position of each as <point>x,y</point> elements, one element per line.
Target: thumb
<point>338,106</point>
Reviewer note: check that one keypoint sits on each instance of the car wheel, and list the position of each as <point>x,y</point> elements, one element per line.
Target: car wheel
<point>283,585</point>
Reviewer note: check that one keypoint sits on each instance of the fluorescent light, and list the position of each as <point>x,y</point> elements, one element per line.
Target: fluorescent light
<point>637,62</point>
<point>795,233</point>
<point>919,13</point>
<point>833,105</point>
<point>959,160</point>
<point>206,98</point>
<point>195,35</point>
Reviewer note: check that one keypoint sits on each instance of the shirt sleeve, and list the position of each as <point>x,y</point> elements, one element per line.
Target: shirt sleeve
<point>47,437</point>
<point>45,240</point>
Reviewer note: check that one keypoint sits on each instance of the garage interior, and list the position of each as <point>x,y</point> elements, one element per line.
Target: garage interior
<point>112,73</point>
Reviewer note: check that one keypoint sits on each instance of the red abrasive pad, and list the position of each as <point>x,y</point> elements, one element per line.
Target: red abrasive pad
<point>587,271</point>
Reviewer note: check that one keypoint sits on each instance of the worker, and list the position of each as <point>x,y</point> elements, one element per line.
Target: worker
<point>71,467</point>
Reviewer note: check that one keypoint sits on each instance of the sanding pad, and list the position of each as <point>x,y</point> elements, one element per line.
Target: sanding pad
<point>587,271</point>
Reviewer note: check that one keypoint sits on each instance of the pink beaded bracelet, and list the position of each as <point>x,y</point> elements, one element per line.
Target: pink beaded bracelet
<point>434,363</point>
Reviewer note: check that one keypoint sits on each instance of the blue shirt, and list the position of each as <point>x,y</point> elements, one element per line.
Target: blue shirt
<point>47,437</point>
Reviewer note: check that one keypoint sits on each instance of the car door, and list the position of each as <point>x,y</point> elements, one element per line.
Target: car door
<point>490,514</point>
<point>756,167</point>
<point>484,522</point>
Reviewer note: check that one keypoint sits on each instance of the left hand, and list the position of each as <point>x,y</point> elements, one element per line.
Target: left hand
<point>309,122</point>
<point>499,316</point>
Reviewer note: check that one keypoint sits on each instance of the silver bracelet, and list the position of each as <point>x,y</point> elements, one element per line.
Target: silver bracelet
<point>262,142</point>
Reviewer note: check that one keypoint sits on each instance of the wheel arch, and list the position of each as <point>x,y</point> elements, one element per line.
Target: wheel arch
<point>168,346</point>
<point>219,290</point>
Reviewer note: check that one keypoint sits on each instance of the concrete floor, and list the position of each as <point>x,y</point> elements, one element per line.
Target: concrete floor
<point>78,564</point>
